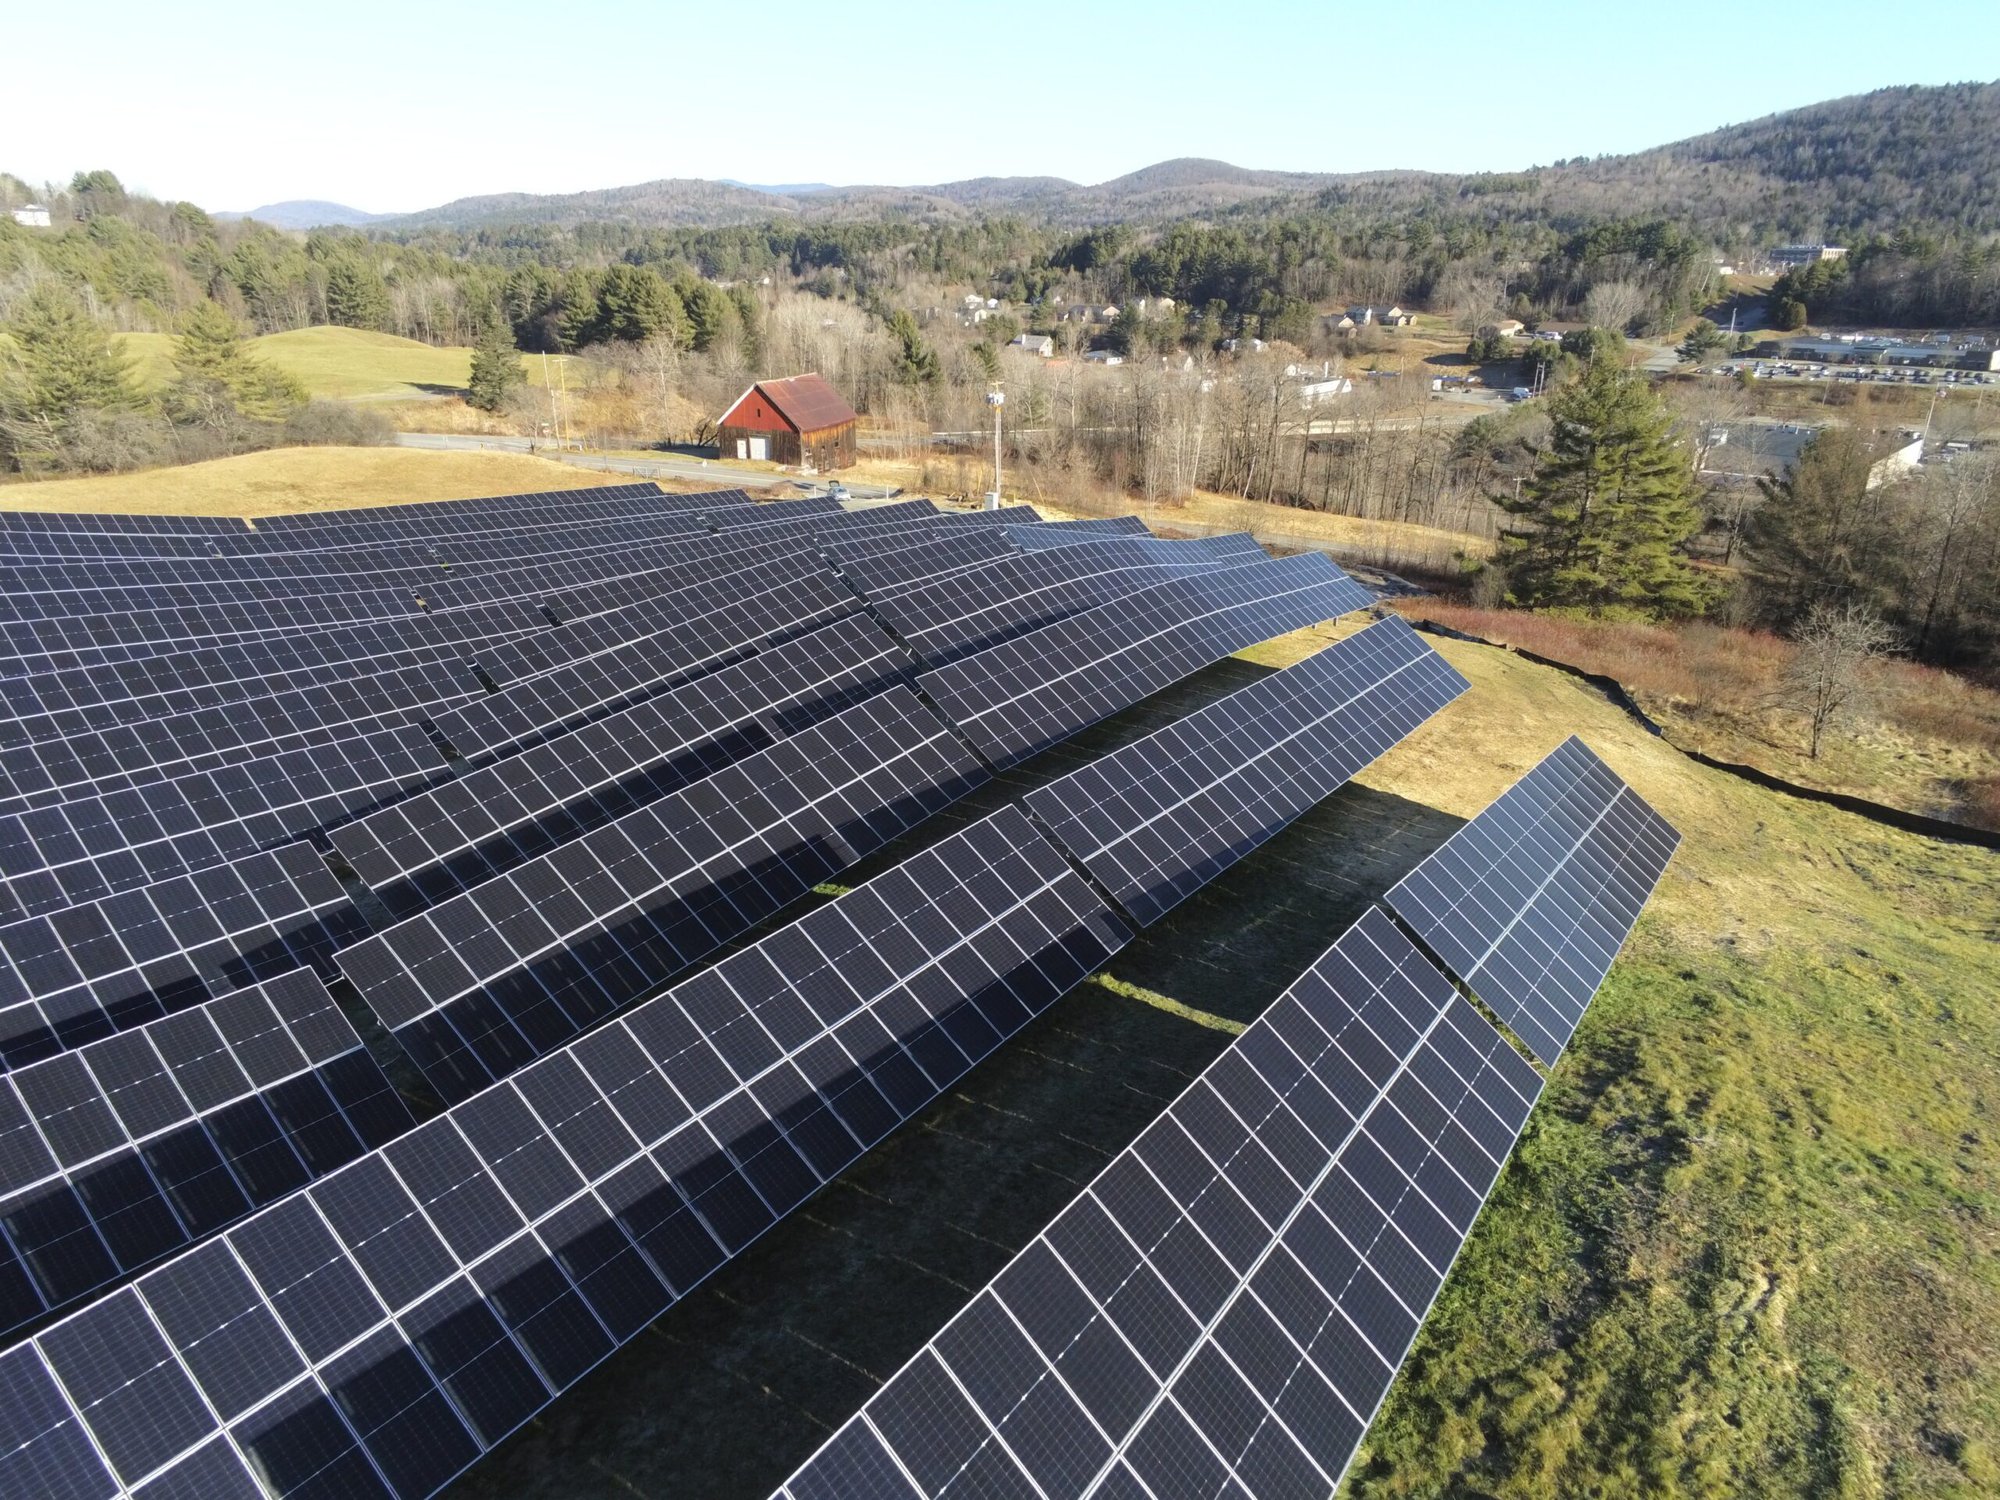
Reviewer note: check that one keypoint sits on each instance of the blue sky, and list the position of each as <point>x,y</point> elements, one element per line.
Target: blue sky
<point>401,106</point>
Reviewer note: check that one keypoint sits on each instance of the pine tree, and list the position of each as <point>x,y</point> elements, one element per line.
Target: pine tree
<point>356,296</point>
<point>496,366</point>
<point>919,362</point>
<point>210,349</point>
<point>1609,508</point>
<point>1818,537</point>
<point>62,361</point>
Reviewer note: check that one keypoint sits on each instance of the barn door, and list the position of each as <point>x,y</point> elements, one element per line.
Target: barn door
<point>742,448</point>
<point>760,448</point>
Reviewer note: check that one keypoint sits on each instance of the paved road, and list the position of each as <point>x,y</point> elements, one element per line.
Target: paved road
<point>671,466</point>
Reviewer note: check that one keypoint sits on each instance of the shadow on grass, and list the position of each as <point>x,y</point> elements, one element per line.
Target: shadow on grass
<point>738,1383</point>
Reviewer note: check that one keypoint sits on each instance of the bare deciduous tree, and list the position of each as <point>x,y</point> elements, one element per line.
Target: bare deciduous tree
<point>1828,680</point>
<point>1614,304</point>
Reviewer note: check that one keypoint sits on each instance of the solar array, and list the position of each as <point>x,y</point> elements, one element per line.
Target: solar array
<point>86,971</point>
<point>511,768</point>
<point>1531,900</point>
<point>129,1148</point>
<point>376,1332</point>
<point>1222,1311</point>
<point>485,981</point>
<point>1167,813</point>
<point>1024,694</point>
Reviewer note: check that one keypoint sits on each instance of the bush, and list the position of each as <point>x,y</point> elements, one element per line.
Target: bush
<point>337,424</point>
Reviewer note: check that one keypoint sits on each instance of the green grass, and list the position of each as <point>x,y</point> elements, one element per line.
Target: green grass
<point>344,363</point>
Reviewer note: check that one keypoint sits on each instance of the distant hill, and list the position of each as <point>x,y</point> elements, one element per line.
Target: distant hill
<point>1868,163</point>
<point>308,213</point>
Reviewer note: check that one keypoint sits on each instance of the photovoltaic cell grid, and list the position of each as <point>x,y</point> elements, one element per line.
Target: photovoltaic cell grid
<point>141,1144</point>
<point>374,1334</point>
<point>1224,1307</point>
<point>942,620</point>
<point>97,842</point>
<point>1038,533</point>
<point>92,846</point>
<point>1530,902</point>
<point>731,620</point>
<point>1163,816</point>
<point>1023,695</point>
<point>483,983</point>
<point>432,845</point>
<point>876,564</point>
<point>128,755</point>
<point>455,511</point>
<point>87,971</point>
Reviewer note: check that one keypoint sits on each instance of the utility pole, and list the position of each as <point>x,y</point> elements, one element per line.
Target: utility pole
<point>555,423</point>
<point>996,400</point>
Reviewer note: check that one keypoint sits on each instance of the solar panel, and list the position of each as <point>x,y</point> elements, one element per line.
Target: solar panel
<point>85,700</point>
<point>142,1143</point>
<point>484,982</point>
<point>877,563</point>
<point>1222,1310</point>
<point>456,510</point>
<point>1039,533</point>
<point>1530,902</point>
<point>95,845</point>
<point>1230,547</point>
<point>376,1332</point>
<point>129,755</point>
<point>945,619</point>
<point>504,812</point>
<point>717,626</point>
<point>1161,817</point>
<point>1023,695</point>
<point>74,975</point>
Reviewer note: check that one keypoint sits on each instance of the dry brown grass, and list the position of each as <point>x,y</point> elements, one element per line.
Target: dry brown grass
<point>1928,742</point>
<point>284,480</point>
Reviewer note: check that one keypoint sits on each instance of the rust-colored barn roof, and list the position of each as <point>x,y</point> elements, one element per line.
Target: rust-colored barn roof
<point>807,402</point>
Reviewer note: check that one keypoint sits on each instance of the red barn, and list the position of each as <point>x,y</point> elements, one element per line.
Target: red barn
<point>800,421</point>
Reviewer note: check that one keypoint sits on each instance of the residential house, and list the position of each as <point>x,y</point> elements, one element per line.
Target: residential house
<point>1506,328</point>
<point>1103,357</point>
<point>1035,343</point>
<point>1387,317</point>
<point>32,216</point>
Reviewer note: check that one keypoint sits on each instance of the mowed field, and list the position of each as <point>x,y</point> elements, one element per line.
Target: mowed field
<point>348,363</point>
<point>1750,1244</point>
<point>281,480</point>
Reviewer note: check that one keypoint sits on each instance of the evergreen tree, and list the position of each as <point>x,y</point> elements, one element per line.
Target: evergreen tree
<point>496,366</point>
<point>1703,341</point>
<point>634,303</point>
<point>60,370</point>
<point>1817,538</point>
<point>1609,507</point>
<point>918,364</point>
<point>209,349</point>
<point>62,360</point>
<point>356,296</point>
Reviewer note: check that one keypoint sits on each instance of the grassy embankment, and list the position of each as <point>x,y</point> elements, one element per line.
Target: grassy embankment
<point>294,479</point>
<point>1928,742</point>
<point>346,363</point>
<point>1747,1247</point>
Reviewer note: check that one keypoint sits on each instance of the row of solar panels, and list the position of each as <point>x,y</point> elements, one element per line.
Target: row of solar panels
<point>94,970</point>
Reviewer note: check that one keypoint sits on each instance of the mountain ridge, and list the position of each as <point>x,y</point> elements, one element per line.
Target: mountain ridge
<point>1837,167</point>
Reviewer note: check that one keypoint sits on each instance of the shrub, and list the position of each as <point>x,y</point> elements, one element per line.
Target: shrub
<point>327,424</point>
